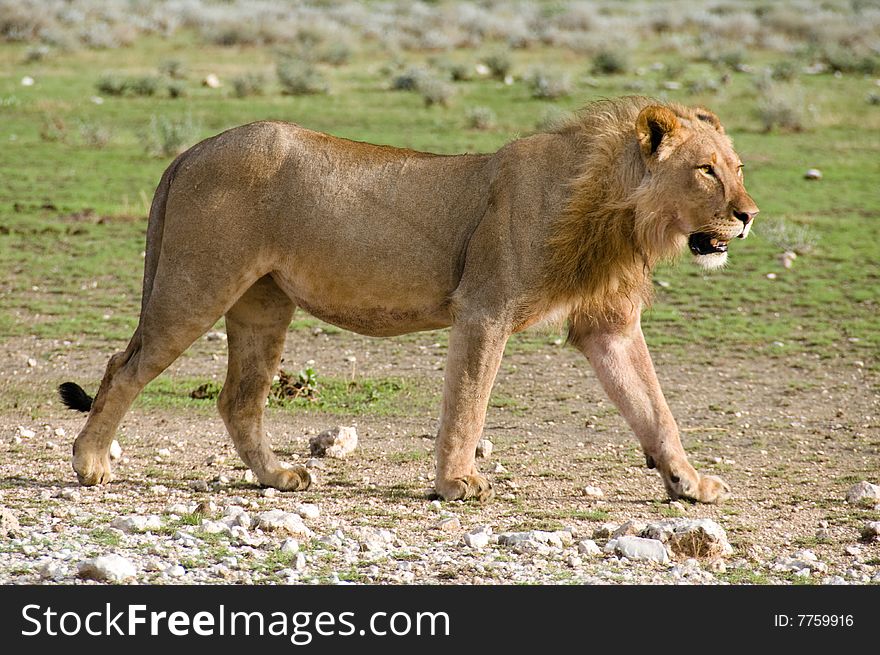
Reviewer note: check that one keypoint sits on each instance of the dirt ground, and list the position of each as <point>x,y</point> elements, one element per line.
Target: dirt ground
<point>790,435</point>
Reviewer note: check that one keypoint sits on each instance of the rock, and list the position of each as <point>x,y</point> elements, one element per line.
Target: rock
<point>854,551</point>
<point>337,443</point>
<point>174,571</point>
<point>629,529</point>
<point>527,540</point>
<point>107,568</point>
<point>290,546</point>
<point>211,81</point>
<point>27,80</point>
<point>300,562</point>
<point>451,524</point>
<point>248,477</point>
<point>216,527</point>
<point>499,468</point>
<point>589,547</point>
<point>26,433</point>
<point>640,549</point>
<point>605,530</point>
<point>871,531</point>
<point>70,494</point>
<point>206,508</point>
<point>374,540</point>
<point>135,524</point>
<point>236,517</point>
<point>787,258</point>
<point>52,570</point>
<point>269,492</point>
<point>163,452</point>
<point>593,492</point>
<point>179,509</point>
<point>484,448</point>
<point>9,525</point>
<point>813,174</point>
<point>214,335</point>
<point>801,563</point>
<point>115,450</point>
<point>289,523</point>
<point>691,537</point>
<point>477,539</point>
<point>574,561</point>
<point>59,432</point>
<point>863,494</point>
<point>717,566</point>
<point>199,485</point>
<point>308,511</point>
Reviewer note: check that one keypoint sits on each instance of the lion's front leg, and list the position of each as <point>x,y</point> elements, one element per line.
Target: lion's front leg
<point>475,350</point>
<point>619,355</point>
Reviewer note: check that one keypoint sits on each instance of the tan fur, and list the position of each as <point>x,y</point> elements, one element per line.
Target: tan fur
<point>269,216</point>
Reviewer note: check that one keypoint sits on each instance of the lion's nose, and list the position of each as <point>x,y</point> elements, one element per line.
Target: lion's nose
<point>745,216</point>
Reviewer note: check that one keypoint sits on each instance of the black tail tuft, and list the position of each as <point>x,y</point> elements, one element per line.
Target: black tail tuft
<point>74,397</point>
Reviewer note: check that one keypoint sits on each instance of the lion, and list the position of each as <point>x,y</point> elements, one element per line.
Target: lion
<point>565,225</point>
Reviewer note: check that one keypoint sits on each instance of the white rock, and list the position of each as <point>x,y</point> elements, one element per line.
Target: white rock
<point>300,562</point>
<point>134,524</point>
<point>216,527</point>
<point>214,335</point>
<point>163,452</point>
<point>70,494</point>
<point>107,568</point>
<point>855,551</point>
<point>15,440</point>
<point>499,468</point>
<point>290,546</point>
<point>436,506</point>
<point>269,492</point>
<point>484,448</point>
<point>639,549</point>
<point>863,494</point>
<point>174,571</point>
<point>787,258</point>
<point>813,174</point>
<point>593,492</point>
<point>8,523</point>
<point>27,80</point>
<point>26,433</point>
<point>337,442</point>
<point>115,450</point>
<point>477,540</point>
<point>180,508</point>
<point>59,432</point>
<point>211,81</point>
<point>277,520</point>
<point>198,485</point>
<point>248,477</point>
<point>589,547</point>
<point>374,539</point>
<point>308,511</point>
<point>691,537</point>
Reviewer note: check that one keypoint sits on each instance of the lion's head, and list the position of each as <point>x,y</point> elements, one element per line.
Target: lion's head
<point>693,180</point>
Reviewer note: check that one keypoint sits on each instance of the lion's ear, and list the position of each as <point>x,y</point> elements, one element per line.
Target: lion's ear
<point>707,116</point>
<point>654,124</point>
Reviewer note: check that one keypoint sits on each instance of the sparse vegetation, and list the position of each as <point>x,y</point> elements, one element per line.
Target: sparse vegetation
<point>300,78</point>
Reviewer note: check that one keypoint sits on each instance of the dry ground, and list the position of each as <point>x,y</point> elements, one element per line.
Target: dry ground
<point>790,435</point>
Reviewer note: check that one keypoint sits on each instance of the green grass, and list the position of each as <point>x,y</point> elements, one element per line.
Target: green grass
<point>68,274</point>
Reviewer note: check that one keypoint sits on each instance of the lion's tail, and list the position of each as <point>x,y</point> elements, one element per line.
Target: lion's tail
<point>72,395</point>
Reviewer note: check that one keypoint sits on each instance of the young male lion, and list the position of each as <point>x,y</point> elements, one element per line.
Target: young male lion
<point>267,217</point>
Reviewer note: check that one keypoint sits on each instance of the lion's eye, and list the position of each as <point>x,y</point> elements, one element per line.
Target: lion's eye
<point>708,170</point>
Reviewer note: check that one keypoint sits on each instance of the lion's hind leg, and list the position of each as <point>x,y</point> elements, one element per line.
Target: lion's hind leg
<point>256,327</point>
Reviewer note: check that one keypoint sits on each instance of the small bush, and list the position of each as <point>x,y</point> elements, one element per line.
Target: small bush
<point>173,68</point>
<point>435,91</point>
<point>610,62</point>
<point>169,136</point>
<point>549,86</point>
<point>36,53</point>
<point>335,53</point>
<point>409,79</point>
<point>842,60</point>
<point>142,86</point>
<point>461,72</point>
<point>111,85</point>
<point>249,84</point>
<point>95,135</point>
<point>873,98</point>
<point>176,89</point>
<point>299,78</point>
<point>784,71</point>
<point>783,109</point>
<point>480,118</point>
<point>53,128</point>
<point>551,118</point>
<point>499,64</point>
<point>786,236</point>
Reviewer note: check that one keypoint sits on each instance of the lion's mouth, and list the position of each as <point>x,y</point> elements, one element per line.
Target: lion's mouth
<point>703,243</point>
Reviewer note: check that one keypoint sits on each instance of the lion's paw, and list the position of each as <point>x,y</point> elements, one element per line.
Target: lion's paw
<point>91,468</point>
<point>468,487</point>
<point>697,488</point>
<point>295,478</point>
